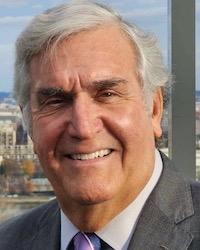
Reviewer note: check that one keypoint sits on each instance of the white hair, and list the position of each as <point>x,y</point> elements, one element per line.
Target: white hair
<point>56,24</point>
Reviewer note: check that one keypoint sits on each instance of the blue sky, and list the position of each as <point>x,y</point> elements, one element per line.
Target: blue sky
<point>151,15</point>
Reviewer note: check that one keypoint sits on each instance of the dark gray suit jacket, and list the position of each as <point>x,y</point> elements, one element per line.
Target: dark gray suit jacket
<point>170,220</point>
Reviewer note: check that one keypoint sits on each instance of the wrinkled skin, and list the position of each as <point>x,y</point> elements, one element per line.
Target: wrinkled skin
<point>85,99</point>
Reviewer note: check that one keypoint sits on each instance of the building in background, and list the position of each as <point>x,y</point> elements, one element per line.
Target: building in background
<point>20,171</point>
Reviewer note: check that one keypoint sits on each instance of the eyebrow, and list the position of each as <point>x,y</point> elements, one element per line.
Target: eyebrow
<point>50,91</point>
<point>98,84</point>
<point>108,83</point>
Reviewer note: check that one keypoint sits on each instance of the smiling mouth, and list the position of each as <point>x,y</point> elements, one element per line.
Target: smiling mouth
<point>90,156</point>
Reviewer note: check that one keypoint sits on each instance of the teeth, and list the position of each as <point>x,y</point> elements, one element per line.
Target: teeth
<point>91,156</point>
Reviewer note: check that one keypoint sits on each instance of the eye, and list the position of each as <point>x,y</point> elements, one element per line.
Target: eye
<point>107,96</point>
<point>54,101</point>
<point>107,93</point>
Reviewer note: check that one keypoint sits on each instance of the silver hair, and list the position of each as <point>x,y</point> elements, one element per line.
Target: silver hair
<point>56,24</point>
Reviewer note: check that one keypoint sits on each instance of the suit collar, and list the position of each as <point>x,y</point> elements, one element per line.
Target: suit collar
<point>163,224</point>
<point>173,194</point>
<point>46,230</point>
<point>156,231</point>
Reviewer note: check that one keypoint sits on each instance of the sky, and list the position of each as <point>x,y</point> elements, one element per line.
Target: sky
<point>151,15</point>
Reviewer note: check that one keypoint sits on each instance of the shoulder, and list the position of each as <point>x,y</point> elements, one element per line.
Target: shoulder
<point>194,221</point>
<point>22,227</point>
<point>181,200</point>
<point>178,184</point>
<point>195,192</point>
<point>178,180</point>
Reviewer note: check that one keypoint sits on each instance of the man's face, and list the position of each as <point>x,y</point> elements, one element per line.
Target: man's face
<point>91,129</point>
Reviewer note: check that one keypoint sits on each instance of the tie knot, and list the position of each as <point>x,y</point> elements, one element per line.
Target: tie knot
<point>86,241</point>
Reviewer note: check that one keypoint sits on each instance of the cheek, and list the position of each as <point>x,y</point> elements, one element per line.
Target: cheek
<point>45,133</point>
<point>130,125</point>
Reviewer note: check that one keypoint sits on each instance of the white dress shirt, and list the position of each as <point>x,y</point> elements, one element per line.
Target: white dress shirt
<point>118,232</point>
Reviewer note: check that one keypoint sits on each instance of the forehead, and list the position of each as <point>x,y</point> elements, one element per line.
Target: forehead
<point>104,50</point>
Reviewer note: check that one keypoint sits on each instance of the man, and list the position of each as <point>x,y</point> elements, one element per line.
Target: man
<point>90,89</point>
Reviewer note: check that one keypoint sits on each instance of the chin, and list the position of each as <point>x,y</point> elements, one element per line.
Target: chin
<point>91,200</point>
<point>91,196</point>
<point>86,192</point>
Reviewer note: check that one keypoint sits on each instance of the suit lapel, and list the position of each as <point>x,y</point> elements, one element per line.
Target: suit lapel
<point>47,234</point>
<point>156,231</point>
<point>163,224</point>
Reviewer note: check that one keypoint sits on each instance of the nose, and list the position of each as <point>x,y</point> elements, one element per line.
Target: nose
<point>85,119</point>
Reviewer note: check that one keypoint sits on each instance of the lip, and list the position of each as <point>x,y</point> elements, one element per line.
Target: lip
<point>81,150</point>
<point>89,156</point>
<point>87,162</point>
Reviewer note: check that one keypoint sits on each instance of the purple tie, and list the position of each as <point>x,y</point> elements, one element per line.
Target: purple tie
<point>83,241</point>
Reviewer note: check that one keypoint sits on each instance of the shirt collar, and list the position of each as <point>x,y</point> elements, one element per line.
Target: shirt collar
<point>68,230</point>
<point>118,232</point>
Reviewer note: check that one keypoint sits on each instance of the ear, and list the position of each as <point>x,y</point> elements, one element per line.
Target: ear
<point>157,111</point>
